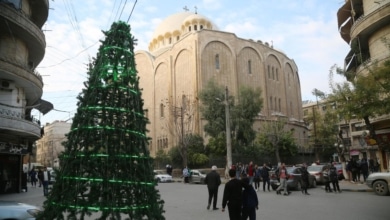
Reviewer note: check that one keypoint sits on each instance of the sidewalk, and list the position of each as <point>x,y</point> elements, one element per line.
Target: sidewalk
<point>346,185</point>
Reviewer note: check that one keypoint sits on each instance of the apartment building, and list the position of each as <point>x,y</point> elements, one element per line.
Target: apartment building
<point>22,48</point>
<point>49,147</point>
<point>365,24</point>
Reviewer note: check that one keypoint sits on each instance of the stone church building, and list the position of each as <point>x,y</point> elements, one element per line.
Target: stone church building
<point>186,52</point>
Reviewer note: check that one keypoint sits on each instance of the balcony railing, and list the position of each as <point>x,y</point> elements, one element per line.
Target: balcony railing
<point>6,112</point>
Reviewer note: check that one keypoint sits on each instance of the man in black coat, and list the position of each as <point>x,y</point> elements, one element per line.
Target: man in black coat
<point>232,196</point>
<point>213,180</point>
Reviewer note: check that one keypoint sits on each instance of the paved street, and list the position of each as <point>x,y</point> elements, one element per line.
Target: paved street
<point>189,201</point>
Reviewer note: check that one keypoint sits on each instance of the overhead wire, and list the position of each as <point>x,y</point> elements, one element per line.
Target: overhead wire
<point>132,11</point>
<point>124,5</point>
<point>74,23</point>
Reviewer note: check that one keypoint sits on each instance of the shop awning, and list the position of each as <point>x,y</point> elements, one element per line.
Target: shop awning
<point>43,106</point>
<point>354,152</point>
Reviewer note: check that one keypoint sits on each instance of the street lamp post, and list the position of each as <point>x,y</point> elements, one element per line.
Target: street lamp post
<point>228,132</point>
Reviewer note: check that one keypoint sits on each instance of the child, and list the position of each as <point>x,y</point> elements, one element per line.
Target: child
<point>250,202</point>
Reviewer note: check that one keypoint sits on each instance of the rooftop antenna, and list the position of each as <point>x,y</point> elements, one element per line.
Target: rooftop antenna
<point>196,10</point>
<point>185,8</point>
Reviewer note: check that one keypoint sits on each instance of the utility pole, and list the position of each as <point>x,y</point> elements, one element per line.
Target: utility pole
<point>228,132</point>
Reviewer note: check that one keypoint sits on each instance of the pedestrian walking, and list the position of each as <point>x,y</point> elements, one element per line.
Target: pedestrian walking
<point>250,170</point>
<point>232,196</point>
<point>334,178</point>
<point>354,170</point>
<point>304,179</point>
<point>325,173</point>
<point>40,176</point>
<point>265,176</point>
<point>250,202</point>
<point>213,180</point>
<point>364,168</point>
<point>358,170</point>
<point>45,179</point>
<point>282,174</point>
<point>169,169</point>
<point>33,177</point>
<point>238,170</point>
<point>257,177</point>
<point>186,174</point>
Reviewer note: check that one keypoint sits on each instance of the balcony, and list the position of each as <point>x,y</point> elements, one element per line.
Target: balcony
<point>25,78</point>
<point>365,25</point>
<point>15,23</point>
<point>12,123</point>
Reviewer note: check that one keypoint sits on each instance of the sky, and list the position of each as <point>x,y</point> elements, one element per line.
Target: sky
<point>305,30</point>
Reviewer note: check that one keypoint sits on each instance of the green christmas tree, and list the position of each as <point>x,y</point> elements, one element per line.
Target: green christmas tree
<point>106,169</point>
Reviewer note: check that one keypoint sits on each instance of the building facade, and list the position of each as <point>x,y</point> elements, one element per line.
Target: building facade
<point>22,48</point>
<point>186,52</point>
<point>49,147</point>
<point>353,133</point>
<point>364,24</point>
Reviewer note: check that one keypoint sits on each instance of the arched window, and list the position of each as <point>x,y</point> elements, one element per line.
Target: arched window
<point>276,107</point>
<point>280,106</point>
<point>269,72</point>
<point>161,110</point>
<point>201,27</point>
<point>277,74</point>
<point>249,67</point>
<point>189,28</point>
<point>270,103</point>
<point>273,73</point>
<point>195,27</point>
<point>217,61</point>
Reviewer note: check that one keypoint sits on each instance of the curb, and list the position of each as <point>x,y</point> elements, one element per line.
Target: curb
<point>352,190</point>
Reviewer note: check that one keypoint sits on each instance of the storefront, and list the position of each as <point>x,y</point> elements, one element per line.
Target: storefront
<point>12,177</point>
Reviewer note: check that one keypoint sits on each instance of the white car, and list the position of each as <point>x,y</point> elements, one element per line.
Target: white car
<point>197,176</point>
<point>17,210</point>
<point>379,182</point>
<point>162,177</point>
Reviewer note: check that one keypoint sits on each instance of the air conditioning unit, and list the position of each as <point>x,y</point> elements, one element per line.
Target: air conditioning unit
<point>4,84</point>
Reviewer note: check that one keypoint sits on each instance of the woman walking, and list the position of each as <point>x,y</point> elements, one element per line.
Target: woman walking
<point>305,180</point>
<point>283,176</point>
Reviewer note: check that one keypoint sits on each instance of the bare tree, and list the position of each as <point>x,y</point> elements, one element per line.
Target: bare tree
<point>180,124</point>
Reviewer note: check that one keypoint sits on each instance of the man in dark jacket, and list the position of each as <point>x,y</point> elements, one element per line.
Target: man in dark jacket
<point>213,180</point>
<point>232,196</point>
<point>305,179</point>
<point>265,176</point>
<point>250,202</point>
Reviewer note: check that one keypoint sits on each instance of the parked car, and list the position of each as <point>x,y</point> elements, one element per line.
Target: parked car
<point>161,177</point>
<point>197,176</point>
<point>379,182</point>
<point>16,210</point>
<point>294,180</point>
<point>317,172</point>
<point>52,177</point>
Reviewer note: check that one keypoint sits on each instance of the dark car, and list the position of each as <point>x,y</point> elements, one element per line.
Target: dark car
<point>294,181</point>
